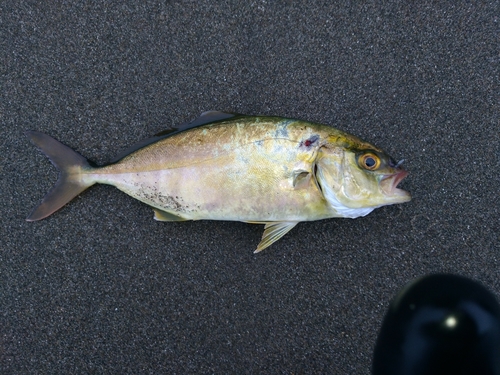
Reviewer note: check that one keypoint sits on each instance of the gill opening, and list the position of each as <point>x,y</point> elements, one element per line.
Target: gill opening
<point>315,172</point>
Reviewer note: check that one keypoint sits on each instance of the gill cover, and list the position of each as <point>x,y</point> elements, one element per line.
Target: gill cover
<point>339,186</point>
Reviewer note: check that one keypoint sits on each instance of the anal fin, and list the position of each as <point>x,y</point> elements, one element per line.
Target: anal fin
<point>166,216</point>
<point>273,231</point>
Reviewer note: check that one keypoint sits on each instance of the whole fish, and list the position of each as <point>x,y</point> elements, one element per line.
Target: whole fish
<point>225,166</point>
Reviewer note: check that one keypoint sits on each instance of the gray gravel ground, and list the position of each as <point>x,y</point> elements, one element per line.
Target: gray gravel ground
<point>100,287</point>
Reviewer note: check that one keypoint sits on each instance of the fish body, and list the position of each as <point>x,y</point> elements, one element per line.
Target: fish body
<point>270,170</point>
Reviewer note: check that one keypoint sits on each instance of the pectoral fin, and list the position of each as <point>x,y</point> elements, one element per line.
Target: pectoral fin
<point>166,216</point>
<point>301,179</point>
<point>273,231</point>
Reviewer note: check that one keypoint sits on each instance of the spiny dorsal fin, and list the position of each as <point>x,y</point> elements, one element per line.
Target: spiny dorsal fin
<point>273,231</point>
<point>204,119</point>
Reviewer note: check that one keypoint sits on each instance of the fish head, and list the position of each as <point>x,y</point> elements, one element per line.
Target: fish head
<point>356,181</point>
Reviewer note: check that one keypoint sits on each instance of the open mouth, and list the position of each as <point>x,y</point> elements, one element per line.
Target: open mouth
<point>390,182</point>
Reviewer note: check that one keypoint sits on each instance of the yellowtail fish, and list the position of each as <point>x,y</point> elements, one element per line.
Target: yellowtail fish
<point>225,166</point>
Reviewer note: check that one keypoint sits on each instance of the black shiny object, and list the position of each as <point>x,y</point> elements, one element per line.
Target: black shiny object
<point>440,324</point>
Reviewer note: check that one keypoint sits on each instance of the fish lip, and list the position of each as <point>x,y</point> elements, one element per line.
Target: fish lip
<point>390,182</point>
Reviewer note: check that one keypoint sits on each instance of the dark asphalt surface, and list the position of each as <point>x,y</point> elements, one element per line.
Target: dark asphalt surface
<point>100,287</point>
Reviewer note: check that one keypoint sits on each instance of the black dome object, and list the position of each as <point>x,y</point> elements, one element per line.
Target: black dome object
<point>440,324</point>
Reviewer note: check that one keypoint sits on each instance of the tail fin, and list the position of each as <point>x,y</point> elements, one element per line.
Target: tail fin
<point>70,183</point>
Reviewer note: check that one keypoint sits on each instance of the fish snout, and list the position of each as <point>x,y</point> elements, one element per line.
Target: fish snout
<point>389,184</point>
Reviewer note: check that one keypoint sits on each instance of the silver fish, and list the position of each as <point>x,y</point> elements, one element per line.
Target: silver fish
<point>224,166</point>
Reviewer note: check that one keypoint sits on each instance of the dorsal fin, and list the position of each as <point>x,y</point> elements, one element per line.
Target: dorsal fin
<point>205,118</point>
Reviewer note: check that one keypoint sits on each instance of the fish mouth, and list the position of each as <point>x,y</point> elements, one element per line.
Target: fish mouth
<point>389,184</point>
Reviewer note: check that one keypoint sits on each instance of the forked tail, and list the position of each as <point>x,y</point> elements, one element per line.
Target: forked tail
<point>72,168</point>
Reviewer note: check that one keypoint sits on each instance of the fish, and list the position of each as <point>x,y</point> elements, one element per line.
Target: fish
<point>265,170</point>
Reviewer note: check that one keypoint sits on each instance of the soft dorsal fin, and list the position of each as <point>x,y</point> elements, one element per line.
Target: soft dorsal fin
<point>204,119</point>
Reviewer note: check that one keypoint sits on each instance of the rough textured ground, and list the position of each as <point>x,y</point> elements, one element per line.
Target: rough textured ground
<point>100,287</point>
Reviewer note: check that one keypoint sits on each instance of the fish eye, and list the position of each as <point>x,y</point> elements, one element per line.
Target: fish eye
<point>369,161</point>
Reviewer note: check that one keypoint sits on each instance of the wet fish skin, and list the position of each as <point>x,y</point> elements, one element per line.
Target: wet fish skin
<point>257,169</point>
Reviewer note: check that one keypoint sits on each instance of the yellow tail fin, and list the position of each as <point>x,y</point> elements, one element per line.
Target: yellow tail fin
<point>71,167</point>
